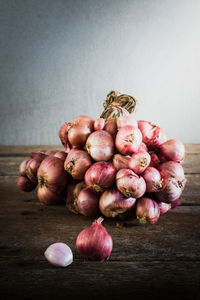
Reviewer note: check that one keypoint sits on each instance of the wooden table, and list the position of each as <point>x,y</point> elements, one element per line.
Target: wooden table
<point>154,261</point>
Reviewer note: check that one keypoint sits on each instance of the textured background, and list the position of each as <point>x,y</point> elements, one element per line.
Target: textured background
<point>59,59</point>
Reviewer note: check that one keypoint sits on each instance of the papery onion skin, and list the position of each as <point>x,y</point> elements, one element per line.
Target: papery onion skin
<point>23,167</point>
<point>142,147</point>
<point>147,211</point>
<point>69,198</point>
<point>155,180</point>
<point>94,242</point>
<point>171,192</point>
<point>80,129</point>
<point>155,161</point>
<point>139,162</point>
<point>175,203</point>
<point>25,184</point>
<point>130,184</point>
<point>100,145</point>
<point>87,202</point>
<point>77,163</point>
<point>128,140</point>
<point>153,136</point>
<point>61,154</point>
<point>51,173</point>
<point>111,127</point>
<point>46,196</point>
<point>63,134</point>
<point>99,124</point>
<point>126,120</point>
<point>113,203</point>
<point>175,170</point>
<point>59,255</point>
<point>32,168</point>
<point>120,161</point>
<point>164,207</point>
<point>100,175</point>
<point>171,150</point>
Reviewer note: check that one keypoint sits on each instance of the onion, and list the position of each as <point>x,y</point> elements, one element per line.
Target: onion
<point>130,184</point>
<point>111,127</point>
<point>143,148</point>
<point>120,161</point>
<point>175,203</point>
<point>113,203</point>
<point>48,197</point>
<point>175,170</point>
<point>171,193</point>
<point>153,136</point>
<point>77,163</point>
<point>100,176</point>
<point>139,162</point>
<point>63,135</point>
<point>87,202</point>
<point>128,140</point>
<point>155,181</point>
<point>99,124</point>
<point>171,150</point>
<point>51,174</point>
<point>164,207</point>
<point>100,145</point>
<point>23,167</point>
<point>126,120</point>
<point>73,190</point>
<point>25,184</point>
<point>147,211</point>
<point>79,131</point>
<point>94,242</point>
<point>32,168</point>
<point>155,161</point>
<point>59,255</point>
<point>61,154</point>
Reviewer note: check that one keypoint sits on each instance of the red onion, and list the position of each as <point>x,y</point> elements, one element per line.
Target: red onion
<point>77,163</point>
<point>155,181</point>
<point>88,202</point>
<point>120,161</point>
<point>130,184</point>
<point>99,124</point>
<point>94,242</point>
<point>175,170</point>
<point>51,173</point>
<point>100,176</point>
<point>171,150</point>
<point>23,167</point>
<point>128,140</point>
<point>175,203</point>
<point>111,127</point>
<point>73,190</point>
<point>164,207</point>
<point>79,131</point>
<point>100,145</point>
<point>38,155</point>
<point>155,161</point>
<point>113,203</point>
<point>32,168</point>
<point>124,120</point>
<point>171,193</point>
<point>139,162</point>
<point>153,136</point>
<point>63,135</point>
<point>46,196</point>
<point>25,184</point>
<point>61,154</point>
<point>143,148</point>
<point>147,211</point>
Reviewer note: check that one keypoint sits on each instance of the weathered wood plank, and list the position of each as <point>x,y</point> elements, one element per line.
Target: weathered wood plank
<point>9,190</point>
<point>24,150</point>
<point>109,280</point>
<point>9,165</point>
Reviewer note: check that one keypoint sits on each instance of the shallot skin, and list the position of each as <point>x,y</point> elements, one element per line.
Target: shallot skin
<point>94,242</point>
<point>48,197</point>
<point>139,162</point>
<point>25,184</point>
<point>147,211</point>
<point>120,161</point>
<point>164,207</point>
<point>128,140</point>
<point>87,202</point>
<point>171,150</point>
<point>99,124</point>
<point>155,180</point>
<point>113,203</point>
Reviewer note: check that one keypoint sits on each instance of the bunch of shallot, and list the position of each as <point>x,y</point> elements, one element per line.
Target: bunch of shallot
<point>114,166</point>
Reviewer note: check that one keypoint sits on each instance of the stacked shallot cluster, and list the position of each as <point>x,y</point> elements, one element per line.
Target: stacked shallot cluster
<point>114,166</point>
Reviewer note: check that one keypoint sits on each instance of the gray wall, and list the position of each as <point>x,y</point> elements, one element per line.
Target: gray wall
<point>59,59</point>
